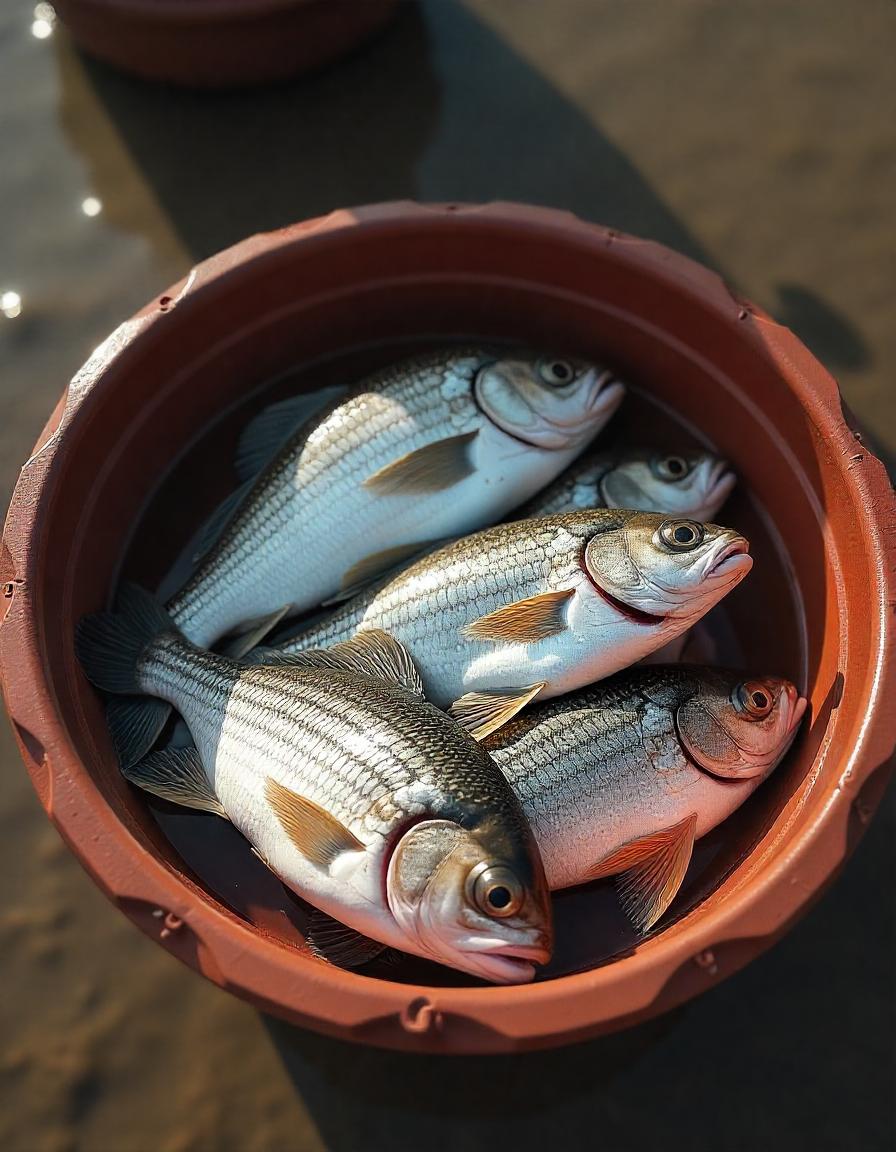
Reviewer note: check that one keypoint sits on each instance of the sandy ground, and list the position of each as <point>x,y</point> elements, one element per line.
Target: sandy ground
<point>756,136</point>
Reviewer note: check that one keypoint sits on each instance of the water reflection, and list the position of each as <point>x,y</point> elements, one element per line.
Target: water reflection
<point>11,304</point>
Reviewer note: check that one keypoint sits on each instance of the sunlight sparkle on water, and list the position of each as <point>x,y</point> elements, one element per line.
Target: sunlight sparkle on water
<point>44,19</point>
<point>11,304</point>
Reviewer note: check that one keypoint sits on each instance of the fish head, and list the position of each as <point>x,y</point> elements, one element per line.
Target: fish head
<point>547,402</point>
<point>738,729</point>
<point>467,899</point>
<point>666,568</point>
<point>686,484</point>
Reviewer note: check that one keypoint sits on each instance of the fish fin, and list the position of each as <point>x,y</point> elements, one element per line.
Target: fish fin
<point>650,871</point>
<point>110,644</point>
<point>242,644</point>
<point>375,654</point>
<point>214,526</point>
<point>432,468</point>
<point>265,435</point>
<point>357,577</point>
<point>524,621</point>
<point>482,713</point>
<point>330,940</point>
<point>135,723</point>
<point>317,835</point>
<point>176,774</point>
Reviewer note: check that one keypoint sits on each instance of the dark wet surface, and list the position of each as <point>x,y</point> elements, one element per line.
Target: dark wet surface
<point>756,137</point>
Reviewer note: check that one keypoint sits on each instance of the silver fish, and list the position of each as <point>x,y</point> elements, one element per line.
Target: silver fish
<point>430,448</point>
<point>622,777</point>
<point>360,796</point>
<point>694,484</point>
<point>540,607</point>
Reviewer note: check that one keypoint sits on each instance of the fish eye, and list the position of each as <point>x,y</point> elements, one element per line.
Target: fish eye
<point>752,699</point>
<point>680,535</point>
<point>556,373</point>
<point>495,890</point>
<point>670,468</point>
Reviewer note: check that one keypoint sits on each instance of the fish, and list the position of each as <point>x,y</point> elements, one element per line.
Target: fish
<point>539,607</point>
<point>691,483</point>
<point>620,778</point>
<point>363,798</point>
<point>430,448</point>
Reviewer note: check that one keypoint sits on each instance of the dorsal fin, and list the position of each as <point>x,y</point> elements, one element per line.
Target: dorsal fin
<point>213,528</point>
<point>265,435</point>
<point>375,654</point>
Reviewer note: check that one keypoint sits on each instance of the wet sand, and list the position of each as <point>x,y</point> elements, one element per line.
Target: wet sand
<point>757,137</point>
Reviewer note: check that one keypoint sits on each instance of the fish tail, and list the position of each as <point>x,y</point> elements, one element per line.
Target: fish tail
<point>110,646</point>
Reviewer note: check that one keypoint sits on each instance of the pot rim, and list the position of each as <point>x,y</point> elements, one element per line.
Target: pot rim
<point>568,1007</point>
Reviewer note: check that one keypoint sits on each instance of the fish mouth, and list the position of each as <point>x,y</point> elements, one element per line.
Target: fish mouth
<point>730,558</point>
<point>720,483</point>
<point>606,394</point>
<point>798,705</point>
<point>514,964</point>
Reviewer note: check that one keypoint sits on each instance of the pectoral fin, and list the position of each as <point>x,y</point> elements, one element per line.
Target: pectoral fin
<point>650,871</point>
<point>375,654</point>
<point>329,940</point>
<point>524,621</point>
<point>317,835</point>
<point>482,713</point>
<point>432,468</point>
<point>176,774</point>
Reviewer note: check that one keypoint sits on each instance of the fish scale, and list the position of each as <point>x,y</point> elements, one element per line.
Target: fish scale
<point>311,515</point>
<point>467,581</point>
<point>606,767</point>
<point>431,607</point>
<point>345,750</point>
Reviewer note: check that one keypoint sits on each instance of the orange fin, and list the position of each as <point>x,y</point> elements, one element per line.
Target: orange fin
<point>317,835</point>
<point>482,713</point>
<point>524,621</point>
<point>649,871</point>
<point>431,468</point>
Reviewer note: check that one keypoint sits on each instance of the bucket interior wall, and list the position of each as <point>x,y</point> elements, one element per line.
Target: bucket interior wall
<point>156,455</point>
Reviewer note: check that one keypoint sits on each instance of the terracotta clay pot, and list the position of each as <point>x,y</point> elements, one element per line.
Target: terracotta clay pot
<point>221,43</point>
<point>137,452</point>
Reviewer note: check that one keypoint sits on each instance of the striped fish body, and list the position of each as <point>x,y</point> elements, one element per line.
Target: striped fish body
<point>434,608</point>
<point>409,458</point>
<point>373,756</point>
<point>605,767</point>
